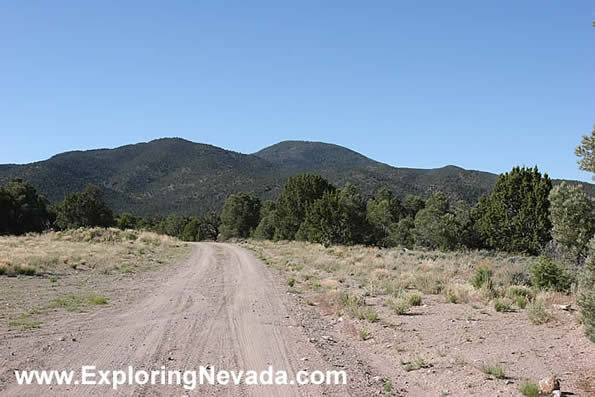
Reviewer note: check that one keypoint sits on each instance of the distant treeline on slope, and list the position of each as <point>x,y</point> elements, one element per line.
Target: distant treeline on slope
<point>515,217</point>
<point>523,214</point>
<point>176,176</point>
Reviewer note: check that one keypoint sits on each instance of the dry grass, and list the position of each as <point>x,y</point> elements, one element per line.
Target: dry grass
<point>388,277</point>
<point>75,270</point>
<point>389,272</point>
<point>94,249</point>
<point>396,280</point>
<point>436,305</point>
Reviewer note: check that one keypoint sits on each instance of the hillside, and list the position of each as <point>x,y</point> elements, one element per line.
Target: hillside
<point>342,165</point>
<point>175,175</point>
<point>161,176</point>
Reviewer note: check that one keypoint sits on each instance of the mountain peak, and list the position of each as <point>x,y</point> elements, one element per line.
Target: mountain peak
<point>309,155</point>
<point>175,175</point>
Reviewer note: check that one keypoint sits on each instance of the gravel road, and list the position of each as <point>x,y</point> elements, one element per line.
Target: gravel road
<point>221,307</point>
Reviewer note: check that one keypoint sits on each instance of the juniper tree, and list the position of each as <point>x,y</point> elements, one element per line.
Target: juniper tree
<point>515,217</point>
<point>297,195</point>
<point>586,291</point>
<point>22,210</point>
<point>586,150</point>
<point>266,227</point>
<point>573,219</point>
<point>240,215</point>
<point>84,209</point>
<point>339,217</point>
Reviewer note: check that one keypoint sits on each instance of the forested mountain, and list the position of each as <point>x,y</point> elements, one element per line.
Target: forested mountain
<point>173,175</point>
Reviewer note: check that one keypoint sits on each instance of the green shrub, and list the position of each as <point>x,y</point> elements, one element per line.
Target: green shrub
<point>502,305</point>
<point>495,371</point>
<point>364,335</point>
<point>96,300</point>
<point>586,294</point>
<point>482,276</point>
<point>346,299</point>
<point>537,312</point>
<point>291,281</point>
<point>550,275</point>
<point>355,306</point>
<point>388,386</point>
<point>458,293</point>
<point>371,315</point>
<point>521,302</point>
<point>26,270</point>
<point>399,305</point>
<point>451,296</point>
<point>518,277</point>
<point>429,283</point>
<point>529,389</point>
<point>414,299</point>
<point>515,291</point>
<point>488,292</point>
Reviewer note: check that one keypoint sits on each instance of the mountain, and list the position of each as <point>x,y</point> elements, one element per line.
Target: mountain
<point>173,175</point>
<point>341,165</point>
<point>161,176</point>
<point>302,156</point>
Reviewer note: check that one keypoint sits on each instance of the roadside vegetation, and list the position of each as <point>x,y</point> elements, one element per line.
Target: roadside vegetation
<point>550,229</point>
<point>76,270</point>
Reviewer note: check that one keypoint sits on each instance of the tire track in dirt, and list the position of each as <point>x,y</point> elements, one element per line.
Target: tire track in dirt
<point>221,307</point>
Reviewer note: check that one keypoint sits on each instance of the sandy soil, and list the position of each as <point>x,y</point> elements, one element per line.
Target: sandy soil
<point>438,348</point>
<point>224,308</point>
<point>220,307</point>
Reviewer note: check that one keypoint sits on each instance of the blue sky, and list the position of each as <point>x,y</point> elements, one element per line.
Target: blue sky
<point>483,85</point>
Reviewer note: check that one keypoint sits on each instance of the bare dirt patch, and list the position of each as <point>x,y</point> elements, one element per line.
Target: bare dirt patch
<point>415,318</point>
<point>219,307</point>
<point>75,272</point>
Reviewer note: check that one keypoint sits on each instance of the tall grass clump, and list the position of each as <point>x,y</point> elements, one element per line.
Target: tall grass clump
<point>414,299</point>
<point>538,313</point>
<point>529,389</point>
<point>429,283</point>
<point>399,306</point>
<point>458,293</point>
<point>482,277</point>
<point>502,305</point>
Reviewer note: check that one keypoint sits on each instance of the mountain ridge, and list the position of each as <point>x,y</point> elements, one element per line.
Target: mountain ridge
<point>175,175</point>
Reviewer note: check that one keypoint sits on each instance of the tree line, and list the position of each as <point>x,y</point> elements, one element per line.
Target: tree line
<point>22,210</point>
<point>523,214</point>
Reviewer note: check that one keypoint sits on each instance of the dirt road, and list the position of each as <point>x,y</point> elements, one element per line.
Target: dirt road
<point>220,307</point>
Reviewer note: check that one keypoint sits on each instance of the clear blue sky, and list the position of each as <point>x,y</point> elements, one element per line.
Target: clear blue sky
<point>483,85</point>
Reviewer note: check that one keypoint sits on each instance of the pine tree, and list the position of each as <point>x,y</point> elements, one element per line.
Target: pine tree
<point>586,150</point>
